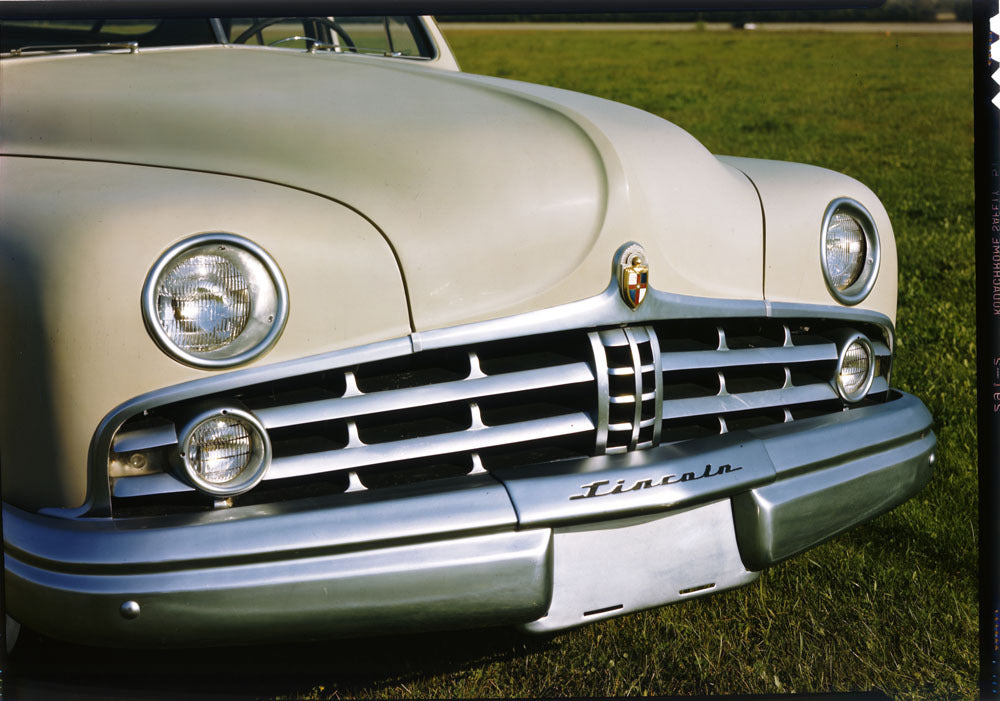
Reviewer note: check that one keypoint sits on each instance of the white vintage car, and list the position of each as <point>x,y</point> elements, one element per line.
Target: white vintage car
<point>309,334</point>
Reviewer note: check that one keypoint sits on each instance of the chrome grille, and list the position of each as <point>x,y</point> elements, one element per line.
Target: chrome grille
<point>633,392</point>
<point>460,411</point>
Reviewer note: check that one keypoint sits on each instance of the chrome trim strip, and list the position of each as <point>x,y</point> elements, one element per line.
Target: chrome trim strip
<point>148,485</point>
<point>132,46</point>
<point>716,359</point>
<point>144,439</point>
<point>879,384</point>
<point>791,310</point>
<point>604,309</point>
<point>725,403</point>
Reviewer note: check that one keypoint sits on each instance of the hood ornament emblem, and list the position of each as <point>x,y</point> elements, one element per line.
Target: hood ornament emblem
<point>633,275</point>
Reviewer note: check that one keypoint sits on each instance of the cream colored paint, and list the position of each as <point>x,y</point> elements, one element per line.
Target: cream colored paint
<point>795,198</point>
<point>498,196</point>
<point>78,240</point>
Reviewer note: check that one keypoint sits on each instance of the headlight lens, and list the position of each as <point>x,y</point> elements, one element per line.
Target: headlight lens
<point>845,250</point>
<point>203,301</point>
<point>225,451</point>
<point>855,368</point>
<point>215,300</point>
<point>849,250</point>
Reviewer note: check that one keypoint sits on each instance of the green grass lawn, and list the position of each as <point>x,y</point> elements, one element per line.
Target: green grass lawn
<point>891,605</point>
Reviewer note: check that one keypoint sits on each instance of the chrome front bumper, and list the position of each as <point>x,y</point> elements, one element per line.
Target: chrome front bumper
<point>547,547</point>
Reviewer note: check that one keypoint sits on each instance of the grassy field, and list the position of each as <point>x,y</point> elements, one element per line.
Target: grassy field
<point>891,605</point>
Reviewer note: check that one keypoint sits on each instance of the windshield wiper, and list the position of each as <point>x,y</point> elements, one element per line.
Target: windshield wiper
<point>132,46</point>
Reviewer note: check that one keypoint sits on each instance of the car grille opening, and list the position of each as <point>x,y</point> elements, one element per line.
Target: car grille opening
<point>447,414</point>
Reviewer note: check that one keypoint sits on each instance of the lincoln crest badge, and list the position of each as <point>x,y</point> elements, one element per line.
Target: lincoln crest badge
<point>633,275</point>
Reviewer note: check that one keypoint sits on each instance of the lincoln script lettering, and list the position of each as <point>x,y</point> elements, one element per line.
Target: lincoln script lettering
<point>594,488</point>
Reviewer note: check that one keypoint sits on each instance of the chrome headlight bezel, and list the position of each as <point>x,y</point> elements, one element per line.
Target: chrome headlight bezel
<point>862,390</point>
<point>250,477</point>
<point>267,318</point>
<point>862,286</point>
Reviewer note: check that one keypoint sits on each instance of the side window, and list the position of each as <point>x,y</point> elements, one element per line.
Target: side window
<point>403,39</point>
<point>367,33</point>
<point>397,35</point>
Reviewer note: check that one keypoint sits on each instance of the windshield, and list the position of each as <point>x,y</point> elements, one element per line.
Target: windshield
<point>402,36</point>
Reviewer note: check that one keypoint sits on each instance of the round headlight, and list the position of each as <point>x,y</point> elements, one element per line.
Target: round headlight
<point>849,250</point>
<point>855,368</point>
<point>224,451</point>
<point>215,300</point>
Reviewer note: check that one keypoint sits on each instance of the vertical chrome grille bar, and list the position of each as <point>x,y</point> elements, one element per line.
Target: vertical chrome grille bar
<point>633,347</point>
<point>654,344</point>
<point>603,392</point>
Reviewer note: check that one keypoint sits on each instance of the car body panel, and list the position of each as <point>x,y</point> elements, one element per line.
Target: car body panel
<point>75,361</point>
<point>795,196</point>
<point>414,161</point>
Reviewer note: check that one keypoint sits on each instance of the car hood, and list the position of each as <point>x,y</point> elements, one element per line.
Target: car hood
<point>497,197</point>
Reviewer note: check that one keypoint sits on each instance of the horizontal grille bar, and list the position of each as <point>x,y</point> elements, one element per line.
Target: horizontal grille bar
<point>144,438</point>
<point>719,404</point>
<point>785,355</point>
<point>395,400</point>
<point>440,444</point>
<point>711,359</point>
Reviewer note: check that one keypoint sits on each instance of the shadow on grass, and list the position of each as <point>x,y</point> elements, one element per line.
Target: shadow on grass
<point>896,538</point>
<point>41,667</point>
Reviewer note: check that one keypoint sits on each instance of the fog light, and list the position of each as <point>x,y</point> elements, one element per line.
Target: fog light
<point>855,368</point>
<point>224,451</point>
